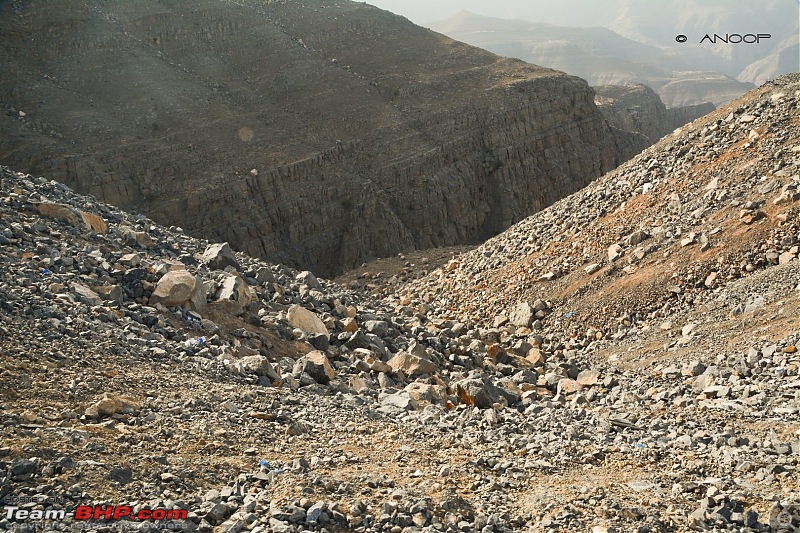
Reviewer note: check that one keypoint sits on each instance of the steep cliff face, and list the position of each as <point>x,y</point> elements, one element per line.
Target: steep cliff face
<point>637,108</point>
<point>319,135</point>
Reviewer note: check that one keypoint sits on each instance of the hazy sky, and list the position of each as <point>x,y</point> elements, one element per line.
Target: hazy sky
<point>587,12</point>
<point>425,11</point>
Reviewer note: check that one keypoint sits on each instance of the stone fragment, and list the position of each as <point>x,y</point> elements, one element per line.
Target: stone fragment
<point>568,386</point>
<point>614,252</point>
<point>234,294</point>
<point>785,197</point>
<point>411,365</point>
<point>220,255</point>
<point>398,401</point>
<point>308,279</point>
<point>123,476</point>
<point>425,392</point>
<point>481,392</point>
<point>316,365</point>
<point>592,268</point>
<point>110,293</point>
<point>522,315</point>
<point>748,216</point>
<point>637,237</point>
<point>260,366</point>
<point>588,377</point>
<point>130,260</point>
<point>695,368</point>
<point>703,381</point>
<point>180,287</point>
<point>349,325</point>
<point>86,295</point>
<point>535,357</point>
<point>302,318</point>
<point>377,327</point>
<point>22,468</point>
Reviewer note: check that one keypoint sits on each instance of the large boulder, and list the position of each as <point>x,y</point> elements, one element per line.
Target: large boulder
<point>425,392</point>
<point>302,318</point>
<point>481,392</point>
<point>260,366</point>
<point>86,295</point>
<point>396,403</point>
<point>234,294</point>
<point>220,255</point>
<point>180,287</point>
<point>411,365</point>
<point>308,279</point>
<point>522,315</point>
<point>316,365</point>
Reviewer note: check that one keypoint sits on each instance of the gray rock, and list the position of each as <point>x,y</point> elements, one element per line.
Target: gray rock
<point>315,512</point>
<point>180,287</point>
<point>86,295</point>
<point>481,392</point>
<point>377,327</point>
<point>522,315</point>
<point>234,294</point>
<point>308,279</point>
<point>399,401</point>
<point>220,255</point>
<point>411,365</point>
<point>316,365</point>
<point>218,513</point>
<point>123,476</point>
<point>260,366</point>
<point>279,526</point>
<point>22,468</point>
<point>614,252</point>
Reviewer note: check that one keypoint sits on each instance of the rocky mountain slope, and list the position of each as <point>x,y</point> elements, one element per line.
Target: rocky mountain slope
<point>711,190</point>
<point>624,360</point>
<point>317,134</point>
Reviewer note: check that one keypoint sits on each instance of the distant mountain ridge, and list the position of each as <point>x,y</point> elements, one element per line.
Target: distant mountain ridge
<point>784,58</point>
<point>658,22</point>
<point>598,55</point>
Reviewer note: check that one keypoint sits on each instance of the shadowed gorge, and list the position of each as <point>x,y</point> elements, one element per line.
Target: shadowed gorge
<point>318,135</point>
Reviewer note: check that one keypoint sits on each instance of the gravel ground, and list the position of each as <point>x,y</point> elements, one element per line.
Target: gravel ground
<point>622,361</point>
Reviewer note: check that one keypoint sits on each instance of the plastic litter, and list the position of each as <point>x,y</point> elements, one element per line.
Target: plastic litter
<point>266,467</point>
<point>190,343</point>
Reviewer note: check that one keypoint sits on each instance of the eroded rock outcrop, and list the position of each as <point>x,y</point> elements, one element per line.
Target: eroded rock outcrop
<point>637,108</point>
